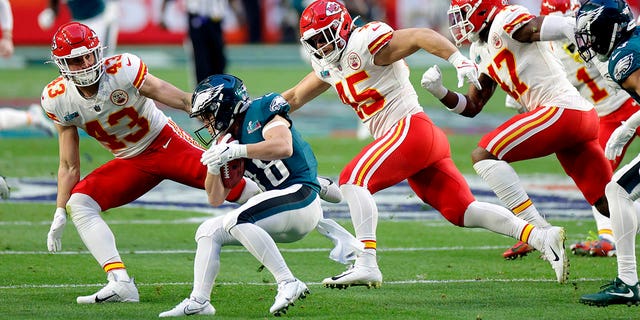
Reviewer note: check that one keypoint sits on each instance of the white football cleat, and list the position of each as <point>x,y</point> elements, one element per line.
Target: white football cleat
<point>41,122</point>
<point>189,307</point>
<point>329,191</point>
<point>288,293</point>
<point>356,275</point>
<point>114,291</point>
<point>553,251</point>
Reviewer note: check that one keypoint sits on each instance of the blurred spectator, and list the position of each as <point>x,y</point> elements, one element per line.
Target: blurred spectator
<point>6,23</point>
<point>99,15</point>
<point>204,18</point>
<point>253,14</point>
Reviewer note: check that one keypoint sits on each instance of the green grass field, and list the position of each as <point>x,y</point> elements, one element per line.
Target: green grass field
<point>432,270</point>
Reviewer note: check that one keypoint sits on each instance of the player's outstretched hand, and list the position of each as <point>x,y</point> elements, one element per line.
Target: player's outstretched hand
<point>618,140</point>
<point>432,81</point>
<point>54,237</point>
<point>465,69</point>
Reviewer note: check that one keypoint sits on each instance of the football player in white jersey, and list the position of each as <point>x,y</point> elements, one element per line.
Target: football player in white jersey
<point>613,107</point>
<point>366,68</point>
<point>112,100</point>
<point>557,119</point>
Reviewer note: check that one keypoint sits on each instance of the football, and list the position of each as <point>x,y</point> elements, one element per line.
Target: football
<point>231,173</point>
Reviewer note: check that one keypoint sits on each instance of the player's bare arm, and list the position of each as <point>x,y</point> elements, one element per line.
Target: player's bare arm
<point>407,41</point>
<point>277,142</point>
<point>633,82</point>
<point>306,90</point>
<point>216,192</point>
<point>530,32</point>
<point>166,93</point>
<point>69,167</point>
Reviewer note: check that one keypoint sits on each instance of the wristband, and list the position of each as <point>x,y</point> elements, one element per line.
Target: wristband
<point>461,105</point>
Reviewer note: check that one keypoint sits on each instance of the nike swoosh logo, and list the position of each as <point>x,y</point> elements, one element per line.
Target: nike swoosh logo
<point>164,146</point>
<point>99,300</point>
<point>628,294</point>
<point>340,276</point>
<point>375,28</point>
<point>555,254</point>
<point>188,311</point>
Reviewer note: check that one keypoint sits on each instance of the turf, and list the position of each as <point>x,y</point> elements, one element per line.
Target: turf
<point>432,270</point>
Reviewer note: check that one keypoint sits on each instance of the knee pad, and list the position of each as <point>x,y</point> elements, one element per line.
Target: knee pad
<point>80,207</point>
<point>209,227</point>
<point>230,220</point>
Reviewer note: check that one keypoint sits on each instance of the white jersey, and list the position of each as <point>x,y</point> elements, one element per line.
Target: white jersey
<point>118,116</point>
<point>380,95</point>
<point>587,79</point>
<point>528,72</point>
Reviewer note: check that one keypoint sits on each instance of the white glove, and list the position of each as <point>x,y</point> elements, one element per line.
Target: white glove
<point>465,68</point>
<point>618,140</point>
<point>512,103</point>
<point>54,237</point>
<point>223,152</point>
<point>46,18</point>
<point>432,81</point>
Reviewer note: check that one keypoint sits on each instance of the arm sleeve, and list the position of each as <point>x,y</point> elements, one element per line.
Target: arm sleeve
<point>6,17</point>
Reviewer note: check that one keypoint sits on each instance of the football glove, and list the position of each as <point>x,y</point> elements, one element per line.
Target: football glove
<point>432,81</point>
<point>223,152</point>
<point>465,69</point>
<point>54,237</point>
<point>618,140</point>
<point>46,18</point>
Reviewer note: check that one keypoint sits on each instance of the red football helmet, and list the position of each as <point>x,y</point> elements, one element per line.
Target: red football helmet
<point>467,18</point>
<point>74,40</point>
<point>559,7</point>
<point>322,24</point>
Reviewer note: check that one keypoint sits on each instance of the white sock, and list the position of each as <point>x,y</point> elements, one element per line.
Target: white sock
<point>119,275</point>
<point>363,209</point>
<point>624,223</point>
<point>603,224</point>
<point>263,248</point>
<point>493,217</point>
<point>206,266</point>
<point>94,232</point>
<point>505,183</point>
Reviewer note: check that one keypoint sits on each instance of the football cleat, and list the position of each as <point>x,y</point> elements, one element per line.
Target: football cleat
<point>518,250</point>
<point>356,275</point>
<point>288,293</point>
<point>189,307</point>
<point>114,291</point>
<point>615,292</point>
<point>329,191</point>
<point>582,248</point>
<point>594,246</point>
<point>602,248</point>
<point>553,251</point>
